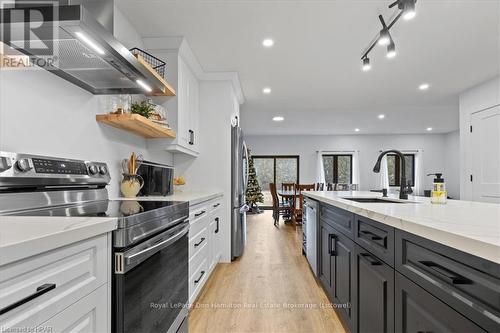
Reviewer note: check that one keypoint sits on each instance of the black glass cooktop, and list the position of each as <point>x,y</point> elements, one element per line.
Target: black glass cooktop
<point>105,208</point>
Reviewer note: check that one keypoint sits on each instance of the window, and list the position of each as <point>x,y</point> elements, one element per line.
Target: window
<point>275,169</point>
<point>393,165</point>
<point>338,168</point>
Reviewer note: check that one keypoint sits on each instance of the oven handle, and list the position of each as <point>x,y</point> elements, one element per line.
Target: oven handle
<point>147,252</point>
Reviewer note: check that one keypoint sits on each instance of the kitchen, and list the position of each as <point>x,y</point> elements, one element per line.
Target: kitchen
<point>215,91</point>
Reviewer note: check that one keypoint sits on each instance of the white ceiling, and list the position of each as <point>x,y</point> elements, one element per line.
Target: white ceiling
<point>314,66</point>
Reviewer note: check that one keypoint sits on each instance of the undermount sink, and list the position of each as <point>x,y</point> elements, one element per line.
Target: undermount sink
<point>378,200</point>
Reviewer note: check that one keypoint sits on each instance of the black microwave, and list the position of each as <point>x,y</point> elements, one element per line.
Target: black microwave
<point>158,179</point>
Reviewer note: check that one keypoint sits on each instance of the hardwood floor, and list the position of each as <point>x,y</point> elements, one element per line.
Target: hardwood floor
<point>270,289</point>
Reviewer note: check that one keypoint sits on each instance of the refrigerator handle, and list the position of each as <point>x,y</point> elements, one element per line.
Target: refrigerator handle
<point>247,171</point>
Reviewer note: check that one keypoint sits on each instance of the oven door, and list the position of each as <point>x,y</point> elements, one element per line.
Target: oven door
<point>150,287</point>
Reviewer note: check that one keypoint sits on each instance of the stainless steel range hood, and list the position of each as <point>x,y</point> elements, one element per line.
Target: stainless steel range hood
<point>86,53</point>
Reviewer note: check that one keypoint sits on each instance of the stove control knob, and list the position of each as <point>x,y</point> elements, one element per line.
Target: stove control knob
<point>93,169</point>
<point>23,165</point>
<point>103,170</point>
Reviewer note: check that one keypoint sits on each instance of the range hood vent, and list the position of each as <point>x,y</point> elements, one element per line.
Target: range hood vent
<point>70,42</point>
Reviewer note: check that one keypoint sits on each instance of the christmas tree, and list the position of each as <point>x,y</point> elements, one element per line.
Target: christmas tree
<point>254,192</point>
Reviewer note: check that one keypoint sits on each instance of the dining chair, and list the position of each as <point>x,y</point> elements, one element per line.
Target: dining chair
<point>278,208</point>
<point>299,210</point>
<point>320,186</point>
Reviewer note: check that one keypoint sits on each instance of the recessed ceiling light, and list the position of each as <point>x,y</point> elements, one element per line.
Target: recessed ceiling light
<point>266,90</point>
<point>278,118</point>
<point>423,86</point>
<point>356,130</point>
<point>268,42</point>
<point>429,129</point>
<point>381,116</point>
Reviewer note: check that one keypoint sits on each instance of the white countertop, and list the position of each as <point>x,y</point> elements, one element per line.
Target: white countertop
<point>193,197</point>
<point>25,236</point>
<point>472,227</point>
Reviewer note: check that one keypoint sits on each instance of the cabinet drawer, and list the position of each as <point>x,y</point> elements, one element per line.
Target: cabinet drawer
<point>419,311</point>
<point>215,205</point>
<point>196,224</point>
<point>69,272</point>
<point>90,314</point>
<point>375,237</point>
<point>468,284</point>
<point>198,212</point>
<point>197,281</point>
<point>197,242</point>
<point>196,260</point>
<point>338,218</point>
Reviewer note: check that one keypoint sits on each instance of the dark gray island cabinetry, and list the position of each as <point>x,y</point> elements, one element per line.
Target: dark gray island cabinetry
<point>383,279</point>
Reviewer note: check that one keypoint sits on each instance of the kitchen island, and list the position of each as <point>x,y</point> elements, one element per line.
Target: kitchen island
<point>408,265</point>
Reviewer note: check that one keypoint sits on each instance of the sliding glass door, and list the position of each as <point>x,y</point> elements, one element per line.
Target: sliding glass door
<point>277,169</point>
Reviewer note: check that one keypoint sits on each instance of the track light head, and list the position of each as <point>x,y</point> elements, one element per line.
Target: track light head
<point>366,64</point>
<point>408,8</point>
<point>391,50</point>
<point>385,37</point>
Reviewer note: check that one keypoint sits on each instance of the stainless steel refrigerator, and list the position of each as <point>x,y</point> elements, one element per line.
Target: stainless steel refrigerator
<point>239,180</point>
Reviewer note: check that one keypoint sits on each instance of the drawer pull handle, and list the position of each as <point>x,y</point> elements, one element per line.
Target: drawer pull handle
<point>216,205</point>
<point>199,279</point>
<point>44,288</point>
<point>199,214</point>
<point>371,259</point>
<point>199,243</point>
<point>217,227</point>
<point>369,233</point>
<point>445,273</point>
<point>332,245</point>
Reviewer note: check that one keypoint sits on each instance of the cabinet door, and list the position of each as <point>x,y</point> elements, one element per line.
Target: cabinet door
<point>374,284</point>
<point>342,270</point>
<point>418,311</point>
<point>194,112</point>
<point>325,261</point>
<point>183,104</point>
<point>89,314</point>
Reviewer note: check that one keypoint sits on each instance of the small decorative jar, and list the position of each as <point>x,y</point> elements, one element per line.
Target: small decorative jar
<point>131,185</point>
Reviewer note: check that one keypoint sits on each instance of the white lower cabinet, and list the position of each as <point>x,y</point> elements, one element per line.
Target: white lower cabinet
<point>204,243</point>
<point>45,286</point>
<point>89,314</point>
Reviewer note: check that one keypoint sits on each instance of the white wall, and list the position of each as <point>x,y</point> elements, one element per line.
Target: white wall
<point>211,170</point>
<point>478,98</point>
<point>452,163</point>
<point>368,146</point>
<point>44,114</point>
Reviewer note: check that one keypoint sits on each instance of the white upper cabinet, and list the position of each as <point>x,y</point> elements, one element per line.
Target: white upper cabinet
<point>183,71</point>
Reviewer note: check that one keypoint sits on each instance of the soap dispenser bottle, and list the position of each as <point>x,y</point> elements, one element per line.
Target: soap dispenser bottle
<point>438,193</point>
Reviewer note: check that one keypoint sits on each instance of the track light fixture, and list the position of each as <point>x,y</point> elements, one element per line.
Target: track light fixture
<point>407,6</point>
<point>407,11</point>
<point>391,50</point>
<point>366,64</point>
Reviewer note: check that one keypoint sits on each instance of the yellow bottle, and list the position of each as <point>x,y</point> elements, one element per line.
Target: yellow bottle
<point>438,193</point>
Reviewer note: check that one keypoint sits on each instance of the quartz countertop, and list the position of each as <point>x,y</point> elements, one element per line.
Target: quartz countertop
<point>471,227</point>
<point>25,236</point>
<point>193,197</point>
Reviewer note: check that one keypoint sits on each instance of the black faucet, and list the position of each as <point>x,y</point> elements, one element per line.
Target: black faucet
<point>403,190</point>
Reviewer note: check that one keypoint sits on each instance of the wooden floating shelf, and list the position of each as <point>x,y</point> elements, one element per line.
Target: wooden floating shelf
<point>136,124</point>
<point>168,90</point>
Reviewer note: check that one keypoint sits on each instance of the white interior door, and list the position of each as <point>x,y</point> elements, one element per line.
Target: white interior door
<point>485,163</point>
